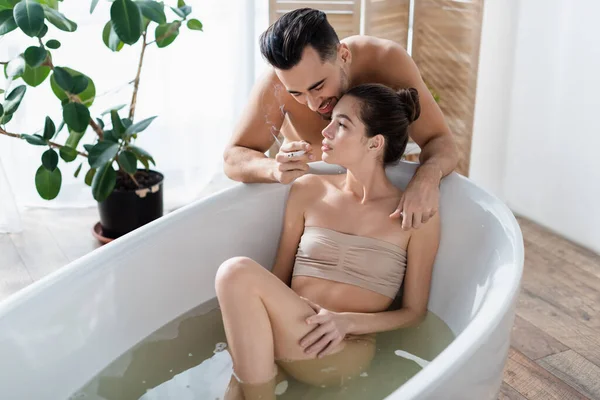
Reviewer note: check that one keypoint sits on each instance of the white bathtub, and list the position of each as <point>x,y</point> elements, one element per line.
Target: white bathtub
<point>58,333</point>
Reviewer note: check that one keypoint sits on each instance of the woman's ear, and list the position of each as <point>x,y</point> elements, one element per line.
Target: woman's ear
<point>376,142</point>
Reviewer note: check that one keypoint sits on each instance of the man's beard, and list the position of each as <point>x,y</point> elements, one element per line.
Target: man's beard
<point>343,89</point>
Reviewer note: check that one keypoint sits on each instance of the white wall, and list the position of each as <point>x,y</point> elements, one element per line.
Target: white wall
<point>536,137</point>
<point>197,86</point>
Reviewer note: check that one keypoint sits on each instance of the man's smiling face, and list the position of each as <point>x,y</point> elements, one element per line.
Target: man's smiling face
<point>315,83</point>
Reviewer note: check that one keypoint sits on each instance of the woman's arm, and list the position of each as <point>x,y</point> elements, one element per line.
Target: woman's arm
<point>301,193</point>
<point>333,327</point>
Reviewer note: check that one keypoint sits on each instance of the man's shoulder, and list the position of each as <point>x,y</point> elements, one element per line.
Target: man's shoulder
<point>267,80</point>
<point>365,46</point>
<point>379,60</point>
<point>268,92</point>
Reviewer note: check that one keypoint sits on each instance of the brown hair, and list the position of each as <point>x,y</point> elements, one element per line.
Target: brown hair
<point>387,112</point>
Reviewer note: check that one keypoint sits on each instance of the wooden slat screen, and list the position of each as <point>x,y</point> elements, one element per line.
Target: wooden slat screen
<point>446,50</point>
<point>343,15</point>
<point>387,19</point>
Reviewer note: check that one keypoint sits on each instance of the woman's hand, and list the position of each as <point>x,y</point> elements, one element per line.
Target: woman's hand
<point>331,329</point>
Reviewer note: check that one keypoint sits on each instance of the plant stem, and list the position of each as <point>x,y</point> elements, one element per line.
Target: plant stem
<point>134,180</point>
<point>136,82</point>
<point>97,129</point>
<point>51,144</point>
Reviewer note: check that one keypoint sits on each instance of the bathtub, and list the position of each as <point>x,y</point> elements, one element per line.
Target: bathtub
<point>59,332</point>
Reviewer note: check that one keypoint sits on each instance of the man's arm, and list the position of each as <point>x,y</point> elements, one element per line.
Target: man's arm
<point>244,156</point>
<point>430,131</point>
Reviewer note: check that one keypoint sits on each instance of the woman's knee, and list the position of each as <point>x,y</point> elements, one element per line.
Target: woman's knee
<point>236,271</point>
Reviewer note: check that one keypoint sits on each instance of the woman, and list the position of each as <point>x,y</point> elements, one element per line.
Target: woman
<point>341,258</point>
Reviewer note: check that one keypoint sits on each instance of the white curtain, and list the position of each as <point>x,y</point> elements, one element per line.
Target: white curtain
<point>197,87</point>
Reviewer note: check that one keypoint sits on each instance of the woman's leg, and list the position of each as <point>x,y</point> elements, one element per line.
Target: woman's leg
<point>264,319</point>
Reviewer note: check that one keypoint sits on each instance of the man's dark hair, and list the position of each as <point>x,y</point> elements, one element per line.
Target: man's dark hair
<point>283,42</point>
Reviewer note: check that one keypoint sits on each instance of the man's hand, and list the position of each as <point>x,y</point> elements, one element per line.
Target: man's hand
<point>331,328</point>
<point>421,199</point>
<point>290,166</point>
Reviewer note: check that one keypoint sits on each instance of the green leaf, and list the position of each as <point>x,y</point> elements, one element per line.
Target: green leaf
<point>117,125</point>
<point>87,97</point>
<point>100,123</point>
<point>73,139</point>
<point>166,33</point>
<point>186,10</point>
<point>179,12</point>
<point>180,3</point>
<point>48,183</point>
<point>117,108</point>
<point>76,116</point>
<point>5,5</point>
<point>53,44</point>
<point>43,31</point>
<point>128,161</point>
<point>15,67</point>
<point>59,20</point>
<point>126,123</point>
<point>110,37</point>
<point>111,136</point>
<point>153,11</point>
<point>60,127</point>
<point>63,78</point>
<point>29,16</point>
<point>35,76</point>
<point>139,127</point>
<point>93,6</point>
<point>6,119</point>
<point>7,22</point>
<point>144,161</point>
<point>89,176</point>
<point>1,91</point>
<point>127,20</point>
<point>1,110</point>
<point>103,152</point>
<point>78,170</point>
<point>80,83</point>
<point>88,147</point>
<point>35,56</point>
<point>35,140</point>
<point>142,155</point>
<point>50,3</point>
<point>13,100</point>
<point>50,160</point>
<point>49,128</point>
<point>68,153</point>
<point>104,182</point>
<point>194,24</point>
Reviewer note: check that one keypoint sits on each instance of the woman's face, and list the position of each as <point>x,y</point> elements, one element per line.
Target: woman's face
<point>344,140</point>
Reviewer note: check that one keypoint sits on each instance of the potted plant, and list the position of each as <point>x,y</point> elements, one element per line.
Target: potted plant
<point>128,197</point>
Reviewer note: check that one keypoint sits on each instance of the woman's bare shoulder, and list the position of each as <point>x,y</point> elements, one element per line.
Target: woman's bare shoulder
<point>311,187</point>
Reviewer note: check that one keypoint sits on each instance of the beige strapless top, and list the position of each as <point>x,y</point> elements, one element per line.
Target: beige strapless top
<point>366,262</point>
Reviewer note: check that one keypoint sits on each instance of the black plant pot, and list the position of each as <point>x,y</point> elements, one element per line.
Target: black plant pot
<point>127,209</point>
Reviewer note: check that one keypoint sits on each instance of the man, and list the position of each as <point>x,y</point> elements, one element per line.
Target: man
<point>311,70</point>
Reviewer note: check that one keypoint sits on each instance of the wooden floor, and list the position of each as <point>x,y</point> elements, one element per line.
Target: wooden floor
<point>555,350</point>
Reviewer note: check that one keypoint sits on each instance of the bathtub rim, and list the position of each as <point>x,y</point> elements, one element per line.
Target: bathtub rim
<point>458,352</point>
